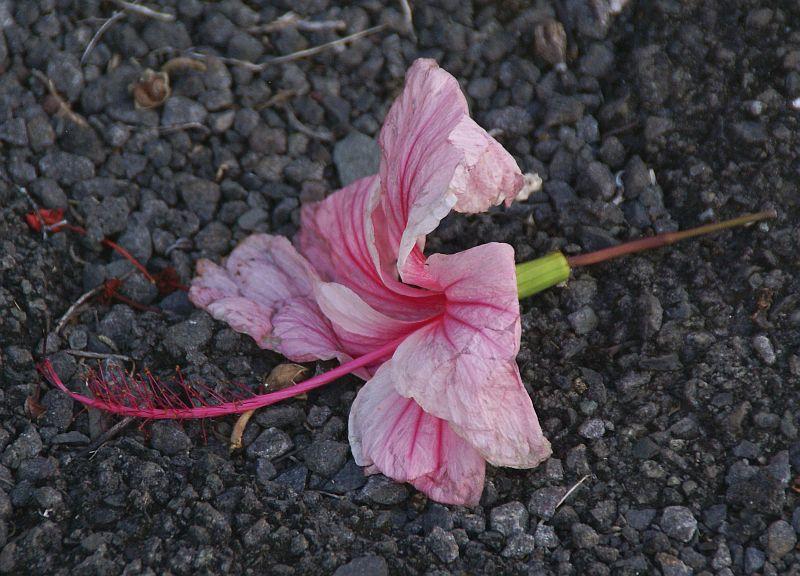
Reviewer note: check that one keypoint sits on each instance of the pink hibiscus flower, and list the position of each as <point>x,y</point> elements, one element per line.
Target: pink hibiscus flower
<point>435,337</point>
<point>450,397</point>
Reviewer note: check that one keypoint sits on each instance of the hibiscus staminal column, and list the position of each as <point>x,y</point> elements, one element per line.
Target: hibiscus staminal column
<point>143,396</point>
<point>542,273</point>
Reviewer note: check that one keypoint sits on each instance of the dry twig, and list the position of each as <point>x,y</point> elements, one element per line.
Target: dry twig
<point>172,128</point>
<point>330,494</point>
<point>77,304</point>
<point>252,66</point>
<point>181,243</point>
<point>571,490</point>
<point>290,19</point>
<point>295,123</point>
<point>108,342</point>
<point>99,355</point>
<point>64,108</point>
<point>182,63</point>
<point>115,17</point>
<point>408,17</point>
<point>280,97</point>
<point>322,47</point>
<point>80,302</point>
<point>108,434</point>
<point>144,11</point>
<point>294,55</point>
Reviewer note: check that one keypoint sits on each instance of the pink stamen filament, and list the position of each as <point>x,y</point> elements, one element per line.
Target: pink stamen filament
<point>232,407</point>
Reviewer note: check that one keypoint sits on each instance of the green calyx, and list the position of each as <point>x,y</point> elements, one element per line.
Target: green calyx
<point>542,273</point>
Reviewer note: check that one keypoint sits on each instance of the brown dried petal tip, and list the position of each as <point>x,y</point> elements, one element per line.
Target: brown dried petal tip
<point>550,42</point>
<point>151,90</point>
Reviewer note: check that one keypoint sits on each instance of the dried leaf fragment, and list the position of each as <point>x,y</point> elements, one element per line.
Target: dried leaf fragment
<point>151,90</point>
<point>33,407</point>
<point>282,376</point>
<point>183,63</point>
<point>285,375</point>
<point>550,42</point>
<point>532,182</point>
<point>55,103</point>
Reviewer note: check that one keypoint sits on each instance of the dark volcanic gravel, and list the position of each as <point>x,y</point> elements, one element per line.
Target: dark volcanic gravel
<point>669,379</point>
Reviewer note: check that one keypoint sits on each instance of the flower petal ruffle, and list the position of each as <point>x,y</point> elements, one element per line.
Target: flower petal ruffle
<point>462,367</point>
<point>436,158</point>
<point>396,436</point>
<point>266,290</point>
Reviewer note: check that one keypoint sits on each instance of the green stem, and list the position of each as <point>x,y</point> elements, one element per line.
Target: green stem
<point>542,273</point>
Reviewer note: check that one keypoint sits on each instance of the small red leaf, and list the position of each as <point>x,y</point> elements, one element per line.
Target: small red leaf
<point>47,216</point>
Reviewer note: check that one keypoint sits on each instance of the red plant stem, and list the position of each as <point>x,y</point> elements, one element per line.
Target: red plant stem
<point>117,248</point>
<point>128,256</point>
<point>663,239</point>
<point>134,303</point>
<point>234,407</point>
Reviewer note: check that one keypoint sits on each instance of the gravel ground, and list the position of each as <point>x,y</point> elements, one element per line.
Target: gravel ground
<point>667,382</point>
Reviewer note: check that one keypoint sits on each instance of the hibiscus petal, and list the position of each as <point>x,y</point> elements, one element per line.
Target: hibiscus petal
<point>359,327</point>
<point>243,316</point>
<point>394,435</point>
<point>302,333</point>
<point>436,158</point>
<point>268,270</point>
<point>459,478</point>
<point>266,290</point>
<point>212,283</point>
<point>463,369</point>
<point>338,237</point>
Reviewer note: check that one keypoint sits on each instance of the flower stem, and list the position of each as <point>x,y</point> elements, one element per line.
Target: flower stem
<point>542,273</point>
<point>663,239</point>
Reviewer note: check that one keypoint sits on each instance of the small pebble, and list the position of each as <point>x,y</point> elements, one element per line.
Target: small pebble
<point>364,566</point>
<point>356,156</point>
<point>326,457</point>
<point>584,536</point>
<point>592,429</point>
<point>763,347</point>
<point>169,438</point>
<point>442,544</point>
<point>519,546</point>
<point>679,523</point>
<point>583,321</point>
<point>509,518</point>
<point>781,540</point>
<point>270,444</point>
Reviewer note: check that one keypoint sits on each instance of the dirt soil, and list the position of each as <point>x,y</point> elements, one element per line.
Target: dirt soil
<point>666,382</point>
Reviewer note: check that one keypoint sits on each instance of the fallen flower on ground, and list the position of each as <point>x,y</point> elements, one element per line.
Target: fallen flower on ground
<point>435,337</point>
